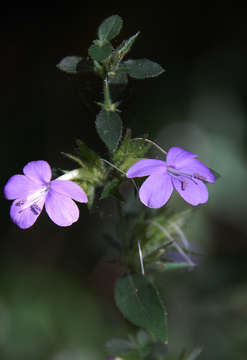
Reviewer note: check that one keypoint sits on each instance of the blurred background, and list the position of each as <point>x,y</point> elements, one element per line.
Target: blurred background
<point>55,291</point>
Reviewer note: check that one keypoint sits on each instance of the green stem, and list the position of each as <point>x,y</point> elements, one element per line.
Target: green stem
<point>107,96</point>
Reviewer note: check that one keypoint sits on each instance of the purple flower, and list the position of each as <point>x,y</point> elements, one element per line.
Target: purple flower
<point>181,171</point>
<point>34,189</point>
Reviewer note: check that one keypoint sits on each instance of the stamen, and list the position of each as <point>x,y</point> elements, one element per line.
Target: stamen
<point>20,203</point>
<point>35,209</point>
<point>31,201</point>
<point>199,177</point>
<point>180,175</point>
<point>184,184</point>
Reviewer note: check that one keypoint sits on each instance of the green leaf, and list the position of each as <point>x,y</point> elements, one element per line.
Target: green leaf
<point>130,151</point>
<point>142,68</point>
<point>126,45</point>
<point>119,346</point>
<point>88,155</point>
<point>173,225</point>
<point>100,53</point>
<point>110,27</point>
<point>73,158</point>
<point>109,128</point>
<point>140,303</point>
<point>74,65</point>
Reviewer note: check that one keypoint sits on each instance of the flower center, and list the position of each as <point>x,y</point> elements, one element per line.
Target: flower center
<point>183,177</point>
<point>32,200</point>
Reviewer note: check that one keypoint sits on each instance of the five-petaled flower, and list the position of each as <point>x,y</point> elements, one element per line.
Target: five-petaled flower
<point>181,171</point>
<point>34,189</point>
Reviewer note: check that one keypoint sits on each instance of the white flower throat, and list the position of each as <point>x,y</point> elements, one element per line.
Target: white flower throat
<point>32,200</point>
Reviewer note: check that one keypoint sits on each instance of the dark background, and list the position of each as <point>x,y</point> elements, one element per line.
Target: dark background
<point>200,103</point>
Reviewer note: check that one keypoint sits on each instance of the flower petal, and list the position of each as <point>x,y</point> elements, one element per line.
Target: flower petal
<point>24,218</point>
<point>145,167</point>
<point>195,192</point>
<point>38,171</point>
<point>156,190</point>
<point>70,189</point>
<point>178,157</point>
<point>196,167</point>
<point>19,186</point>
<point>61,209</point>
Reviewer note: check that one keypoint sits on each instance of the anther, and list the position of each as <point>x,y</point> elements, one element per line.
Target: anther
<point>20,203</point>
<point>35,209</point>
<point>199,177</point>
<point>184,184</point>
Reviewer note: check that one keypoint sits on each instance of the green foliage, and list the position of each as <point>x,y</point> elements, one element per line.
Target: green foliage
<point>75,65</point>
<point>88,160</point>
<point>109,128</point>
<point>88,155</point>
<point>121,51</point>
<point>140,303</point>
<point>139,348</point>
<point>110,28</point>
<point>142,68</point>
<point>155,238</point>
<point>100,52</point>
<point>130,151</point>
<point>159,233</point>
<point>126,46</point>
<point>92,171</point>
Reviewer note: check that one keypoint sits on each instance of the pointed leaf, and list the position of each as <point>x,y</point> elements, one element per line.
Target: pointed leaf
<point>140,303</point>
<point>126,45</point>
<point>74,65</point>
<point>142,68</point>
<point>100,53</point>
<point>88,155</point>
<point>110,27</point>
<point>109,127</point>
<point>74,158</point>
<point>130,151</point>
